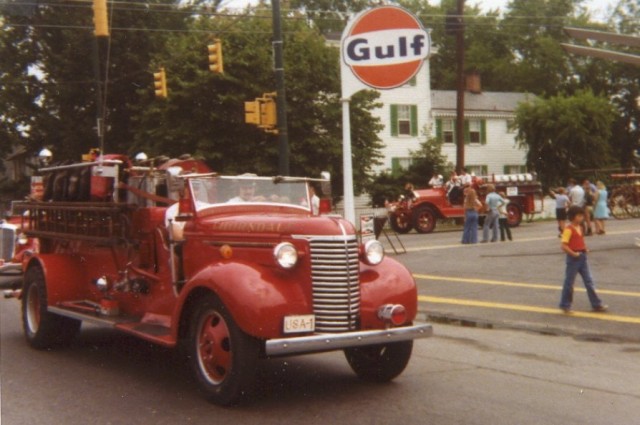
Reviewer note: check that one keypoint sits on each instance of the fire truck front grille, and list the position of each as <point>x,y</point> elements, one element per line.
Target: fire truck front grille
<point>336,285</point>
<point>7,242</point>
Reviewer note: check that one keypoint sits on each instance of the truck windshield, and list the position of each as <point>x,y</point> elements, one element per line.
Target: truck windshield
<point>216,191</point>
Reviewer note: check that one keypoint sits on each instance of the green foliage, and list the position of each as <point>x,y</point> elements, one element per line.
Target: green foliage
<point>204,113</point>
<point>564,134</point>
<point>425,162</point>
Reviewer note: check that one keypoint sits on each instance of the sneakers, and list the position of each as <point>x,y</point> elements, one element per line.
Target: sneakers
<point>601,308</point>
<point>566,310</point>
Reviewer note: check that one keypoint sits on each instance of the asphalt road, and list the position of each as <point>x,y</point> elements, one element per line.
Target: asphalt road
<point>460,376</point>
<point>517,284</point>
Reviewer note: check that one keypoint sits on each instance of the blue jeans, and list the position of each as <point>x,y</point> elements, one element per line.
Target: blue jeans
<point>575,266</point>
<point>491,220</point>
<point>470,231</point>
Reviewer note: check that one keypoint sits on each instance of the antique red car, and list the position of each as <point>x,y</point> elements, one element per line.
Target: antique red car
<point>421,209</point>
<point>231,268</point>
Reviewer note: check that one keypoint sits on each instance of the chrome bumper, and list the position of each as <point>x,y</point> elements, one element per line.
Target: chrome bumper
<point>328,342</point>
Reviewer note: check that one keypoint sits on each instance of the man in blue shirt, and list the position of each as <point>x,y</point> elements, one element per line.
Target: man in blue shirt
<point>493,201</point>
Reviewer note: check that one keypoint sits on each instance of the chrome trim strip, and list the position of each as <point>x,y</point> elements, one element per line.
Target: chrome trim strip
<point>338,341</point>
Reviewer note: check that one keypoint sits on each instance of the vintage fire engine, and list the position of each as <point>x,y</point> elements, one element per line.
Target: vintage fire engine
<point>230,269</point>
<point>421,209</point>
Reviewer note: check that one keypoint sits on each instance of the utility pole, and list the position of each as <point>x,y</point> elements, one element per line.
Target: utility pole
<point>101,32</point>
<point>281,100</point>
<point>460,87</point>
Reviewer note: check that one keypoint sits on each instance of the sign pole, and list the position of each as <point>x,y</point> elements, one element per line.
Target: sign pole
<point>380,48</point>
<point>347,164</point>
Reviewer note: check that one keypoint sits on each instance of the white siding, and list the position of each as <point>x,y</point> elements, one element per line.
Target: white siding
<point>501,148</point>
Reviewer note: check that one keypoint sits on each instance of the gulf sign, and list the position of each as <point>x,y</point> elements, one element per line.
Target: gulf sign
<point>385,47</point>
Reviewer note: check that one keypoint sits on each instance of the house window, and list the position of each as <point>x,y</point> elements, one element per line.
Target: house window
<point>404,120</point>
<point>475,131</point>
<point>478,170</point>
<point>448,131</point>
<point>515,169</point>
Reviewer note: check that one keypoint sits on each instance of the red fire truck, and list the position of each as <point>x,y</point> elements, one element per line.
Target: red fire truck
<point>230,268</point>
<point>421,209</point>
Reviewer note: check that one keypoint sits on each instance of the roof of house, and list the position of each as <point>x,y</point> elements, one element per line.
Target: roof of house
<point>443,102</point>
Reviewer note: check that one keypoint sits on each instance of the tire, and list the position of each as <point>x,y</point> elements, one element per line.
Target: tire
<point>379,363</point>
<point>400,222</point>
<point>43,329</point>
<point>424,220</point>
<point>223,358</point>
<point>514,214</point>
<point>619,204</point>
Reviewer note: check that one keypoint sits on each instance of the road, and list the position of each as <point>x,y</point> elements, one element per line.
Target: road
<point>517,284</point>
<point>460,376</point>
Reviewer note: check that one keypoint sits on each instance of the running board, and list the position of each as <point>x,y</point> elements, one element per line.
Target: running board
<point>148,330</point>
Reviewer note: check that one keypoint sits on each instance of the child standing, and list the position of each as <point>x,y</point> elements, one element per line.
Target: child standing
<point>562,203</point>
<point>574,246</point>
<point>504,224</point>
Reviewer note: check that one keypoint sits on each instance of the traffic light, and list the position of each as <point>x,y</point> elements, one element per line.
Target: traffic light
<point>160,83</point>
<point>252,112</point>
<point>100,25</point>
<point>268,115</point>
<point>215,57</point>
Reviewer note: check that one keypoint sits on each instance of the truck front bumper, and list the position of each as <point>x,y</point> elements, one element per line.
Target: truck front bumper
<point>338,341</point>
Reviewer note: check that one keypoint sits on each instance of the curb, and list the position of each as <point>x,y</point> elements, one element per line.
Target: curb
<point>470,322</point>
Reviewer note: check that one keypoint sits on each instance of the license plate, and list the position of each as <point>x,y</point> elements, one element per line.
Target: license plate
<point>299,324</point>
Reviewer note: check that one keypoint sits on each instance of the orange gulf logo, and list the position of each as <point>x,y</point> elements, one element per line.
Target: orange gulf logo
<point>385,47</point>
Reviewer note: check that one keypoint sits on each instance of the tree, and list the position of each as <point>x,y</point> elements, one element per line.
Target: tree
<point>425,162</point>
<point>204,113</point>
<point>564,134</point>
<point>47,82</point>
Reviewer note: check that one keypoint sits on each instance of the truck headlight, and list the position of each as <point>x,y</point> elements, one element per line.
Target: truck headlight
<point>286,255</point>
<point>373,252</point>
<point>23,239</point>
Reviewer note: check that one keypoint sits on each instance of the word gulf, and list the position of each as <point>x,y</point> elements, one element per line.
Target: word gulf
<point>374,48</point>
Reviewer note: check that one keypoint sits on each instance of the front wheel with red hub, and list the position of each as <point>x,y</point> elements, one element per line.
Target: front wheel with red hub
<point>43,329</point>
<point>514,214</point>
<point>400,222</point>
<point>223,357</point>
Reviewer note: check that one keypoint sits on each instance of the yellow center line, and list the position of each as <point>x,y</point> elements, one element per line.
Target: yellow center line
<point>525,240</point>
<point>518,284</point>
<point>529,308</point>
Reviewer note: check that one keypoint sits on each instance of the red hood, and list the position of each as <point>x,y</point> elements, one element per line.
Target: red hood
<point>276,224</point>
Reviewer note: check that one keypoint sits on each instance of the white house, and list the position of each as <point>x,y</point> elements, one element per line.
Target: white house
<point>413,112</point>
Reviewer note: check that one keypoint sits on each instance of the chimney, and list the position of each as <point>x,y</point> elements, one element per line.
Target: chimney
<point>473,82</point>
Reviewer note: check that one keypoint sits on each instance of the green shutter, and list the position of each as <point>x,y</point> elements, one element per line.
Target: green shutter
<point>414,120</point>
<point>483,132</point>
<point>394,120</point>
<point>505,169</point>
<point>439,130</point>
<point>413,81</point>
<point>485,170</point>
<point>467,136</point>
<point>395,166</point>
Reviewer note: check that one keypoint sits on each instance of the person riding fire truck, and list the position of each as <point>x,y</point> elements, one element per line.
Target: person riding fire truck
<point>155,249</point>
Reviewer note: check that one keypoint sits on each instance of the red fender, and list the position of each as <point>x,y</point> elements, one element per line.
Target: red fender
<point>256,297</point>
<point>387,283</point>
<point>64,276</point>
